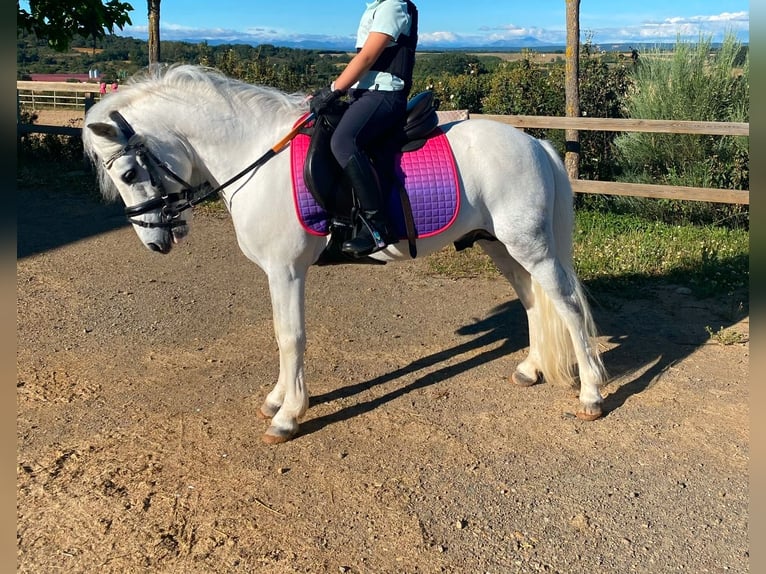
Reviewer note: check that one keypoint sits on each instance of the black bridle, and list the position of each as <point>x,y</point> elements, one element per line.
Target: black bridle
<point>171,205</point>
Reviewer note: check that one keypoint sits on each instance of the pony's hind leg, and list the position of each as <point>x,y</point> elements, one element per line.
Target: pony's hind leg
<point>561,329</point>
<point>565,314</point>
<point>528,372</point>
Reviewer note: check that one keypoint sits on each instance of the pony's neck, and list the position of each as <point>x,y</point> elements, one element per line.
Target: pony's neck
<point>226,133</point>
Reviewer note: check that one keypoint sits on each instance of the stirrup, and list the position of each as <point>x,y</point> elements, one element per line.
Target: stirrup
<point>369,240</point>
<point>380,243</point>
<point>361,246</point>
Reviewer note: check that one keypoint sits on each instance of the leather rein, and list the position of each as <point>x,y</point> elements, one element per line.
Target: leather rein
<point>171,205</point>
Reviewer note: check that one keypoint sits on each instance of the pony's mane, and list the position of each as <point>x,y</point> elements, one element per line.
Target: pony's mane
<point>206,84</point>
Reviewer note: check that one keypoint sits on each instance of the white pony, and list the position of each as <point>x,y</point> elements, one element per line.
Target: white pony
<point>184,128</point>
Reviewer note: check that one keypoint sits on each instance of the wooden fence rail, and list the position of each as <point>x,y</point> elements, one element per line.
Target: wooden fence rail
<point>55,95</point>
<point>84,94</point>
<point>624,125</point>
<point>737,196</point>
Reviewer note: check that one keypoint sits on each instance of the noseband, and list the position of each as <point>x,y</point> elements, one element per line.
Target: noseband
<point>170,205</point>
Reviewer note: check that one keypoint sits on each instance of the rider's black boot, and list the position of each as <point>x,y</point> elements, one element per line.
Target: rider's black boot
<point>373,232</point>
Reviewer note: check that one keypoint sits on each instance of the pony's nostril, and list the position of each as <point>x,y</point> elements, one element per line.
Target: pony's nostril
<point>158,248</point>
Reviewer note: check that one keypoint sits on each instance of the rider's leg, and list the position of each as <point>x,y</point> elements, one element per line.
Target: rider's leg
<point>369,119</point>
<point>374,231</point>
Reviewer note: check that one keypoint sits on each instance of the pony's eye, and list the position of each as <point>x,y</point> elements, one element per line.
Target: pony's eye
<point>129,176</point>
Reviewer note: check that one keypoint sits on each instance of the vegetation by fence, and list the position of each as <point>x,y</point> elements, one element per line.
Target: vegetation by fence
<point>74,95</point>
<point>638,125</point>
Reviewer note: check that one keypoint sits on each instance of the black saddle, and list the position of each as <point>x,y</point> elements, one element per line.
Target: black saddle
<point>421,121</point>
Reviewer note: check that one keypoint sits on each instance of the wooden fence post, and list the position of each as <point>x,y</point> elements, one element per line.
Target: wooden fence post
<point>572,87</point>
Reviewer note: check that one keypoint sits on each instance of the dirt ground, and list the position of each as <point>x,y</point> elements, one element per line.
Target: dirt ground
<point>138,449</point>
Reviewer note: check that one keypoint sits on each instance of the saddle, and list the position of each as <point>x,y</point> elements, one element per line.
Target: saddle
<point>322,173</point>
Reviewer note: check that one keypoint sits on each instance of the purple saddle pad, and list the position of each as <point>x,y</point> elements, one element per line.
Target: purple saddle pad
<point>428,174</point>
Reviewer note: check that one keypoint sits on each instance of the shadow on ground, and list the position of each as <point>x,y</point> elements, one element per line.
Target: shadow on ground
<point>485,334</point>
<point>660,327</point>
<point>49,219</point>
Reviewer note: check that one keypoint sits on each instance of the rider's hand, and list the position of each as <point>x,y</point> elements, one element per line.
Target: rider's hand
<point>323,99</point>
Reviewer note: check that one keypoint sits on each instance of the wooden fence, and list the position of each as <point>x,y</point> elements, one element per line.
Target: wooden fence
<point>631,125</point>
<point>73,95</point>
<point>55,95</point>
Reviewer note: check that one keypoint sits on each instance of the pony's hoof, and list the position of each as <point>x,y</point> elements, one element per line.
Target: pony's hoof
<point>266,412</point>
<point>520,379</point>
<point>277,436</point>
<point>261,415</point>
<point>590,413</point>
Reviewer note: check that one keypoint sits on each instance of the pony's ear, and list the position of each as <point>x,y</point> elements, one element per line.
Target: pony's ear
<point>103,129</point>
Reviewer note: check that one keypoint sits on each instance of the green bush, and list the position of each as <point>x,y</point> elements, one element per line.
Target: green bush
<point>694,82</point>
<point>603,85</point>
<point>523,88</point>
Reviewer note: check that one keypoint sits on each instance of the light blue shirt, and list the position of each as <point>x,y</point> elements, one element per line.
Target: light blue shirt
<point>387,17</point>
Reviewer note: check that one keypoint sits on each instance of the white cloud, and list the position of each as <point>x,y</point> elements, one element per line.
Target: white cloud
<point>715,25</point>
<point>434,37</point>
<point>737,18</point>
<point>667,30</point>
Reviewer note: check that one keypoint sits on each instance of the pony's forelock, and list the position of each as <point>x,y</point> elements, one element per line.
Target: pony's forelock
<point>108,190</point>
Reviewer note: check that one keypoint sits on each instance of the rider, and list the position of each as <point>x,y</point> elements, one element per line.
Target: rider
<point>378,80</point>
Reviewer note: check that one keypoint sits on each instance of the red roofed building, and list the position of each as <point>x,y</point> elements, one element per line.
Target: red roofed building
<point>60,77</point>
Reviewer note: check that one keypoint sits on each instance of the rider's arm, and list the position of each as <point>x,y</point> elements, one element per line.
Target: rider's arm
<point>373,47</point>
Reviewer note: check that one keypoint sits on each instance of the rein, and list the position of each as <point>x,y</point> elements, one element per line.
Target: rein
<point>171,205</point>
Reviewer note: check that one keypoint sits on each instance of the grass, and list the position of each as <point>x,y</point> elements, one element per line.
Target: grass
<point>725,337</point>
<point>625,253</point>
<point>617,251</point>
<point>466,264</point>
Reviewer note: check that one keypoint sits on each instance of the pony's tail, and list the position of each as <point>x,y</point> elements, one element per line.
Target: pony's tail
<point>558,361</point>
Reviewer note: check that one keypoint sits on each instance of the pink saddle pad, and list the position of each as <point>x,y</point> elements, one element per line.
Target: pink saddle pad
<point>428,174</point>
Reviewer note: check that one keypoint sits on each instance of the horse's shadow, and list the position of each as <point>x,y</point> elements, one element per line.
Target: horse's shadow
<point>640,355</point>
<point>654,330</point>
<point>489,331</point>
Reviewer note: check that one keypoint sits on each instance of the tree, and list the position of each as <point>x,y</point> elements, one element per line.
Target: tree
<point>154,31</point>
<point>59,21</point>
<point>572,157</point>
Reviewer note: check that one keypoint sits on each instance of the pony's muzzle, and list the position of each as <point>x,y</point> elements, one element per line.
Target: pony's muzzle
<point>163,248</point>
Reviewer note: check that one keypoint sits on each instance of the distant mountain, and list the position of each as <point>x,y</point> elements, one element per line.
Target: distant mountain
<point>341,45</point>
<point>346,44</point>
<point>526,42</point>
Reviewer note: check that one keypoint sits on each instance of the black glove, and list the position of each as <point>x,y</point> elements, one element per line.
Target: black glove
<point>322,100</point>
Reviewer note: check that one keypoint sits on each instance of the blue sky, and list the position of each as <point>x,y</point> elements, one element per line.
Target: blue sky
<point>475,22</point>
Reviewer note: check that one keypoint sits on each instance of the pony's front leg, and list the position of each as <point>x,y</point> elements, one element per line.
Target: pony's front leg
<point>289,399</point>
